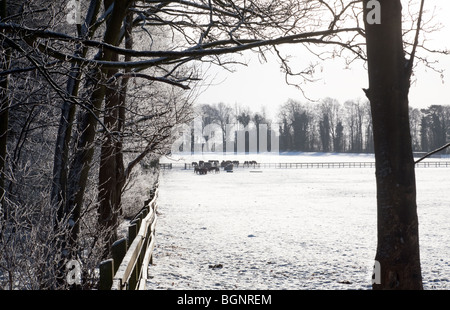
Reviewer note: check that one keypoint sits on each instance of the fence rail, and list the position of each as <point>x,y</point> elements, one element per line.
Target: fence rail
<point>165,166</point>
<point>328,165</point>
<point>433,164</point>
<point>127,269</point>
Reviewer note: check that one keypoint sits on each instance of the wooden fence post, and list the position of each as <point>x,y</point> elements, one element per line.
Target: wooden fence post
<point>132,232</point>
<point>137,221</point>
<point>130,261</point>
<point>119,249</point>
<point>106,274</point>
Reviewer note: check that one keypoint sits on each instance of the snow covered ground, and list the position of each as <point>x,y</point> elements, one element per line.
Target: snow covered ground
<point>286,228</point>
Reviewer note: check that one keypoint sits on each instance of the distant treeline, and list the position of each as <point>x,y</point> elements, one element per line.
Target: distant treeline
<point>330,126</point>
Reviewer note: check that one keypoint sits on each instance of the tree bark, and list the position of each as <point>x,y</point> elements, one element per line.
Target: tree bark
<point>60,162</point>
<point>108,212</point>
<point>389,82</point>
<point>81,164</point>
<point>111,173</point>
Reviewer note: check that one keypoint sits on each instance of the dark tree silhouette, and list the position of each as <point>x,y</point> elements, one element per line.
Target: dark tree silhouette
<point>389,73</point>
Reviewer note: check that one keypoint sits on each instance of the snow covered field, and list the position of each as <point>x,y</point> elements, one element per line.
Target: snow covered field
<point>286,228</point>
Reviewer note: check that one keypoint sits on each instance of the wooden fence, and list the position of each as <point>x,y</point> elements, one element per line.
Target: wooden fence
<point>128,267</point>
<point>433,164</point>
<point>329,165</point>
<point>165,166</point>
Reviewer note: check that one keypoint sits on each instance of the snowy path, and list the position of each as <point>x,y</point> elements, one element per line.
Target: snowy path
<point>285,229</point>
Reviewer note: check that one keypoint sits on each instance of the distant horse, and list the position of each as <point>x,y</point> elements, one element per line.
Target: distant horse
<point>250,163</point>
<point>214,162</point>
<point>228,168</point>
<point>215,169</point>
<point>224,163</point>
<point>200,170</point>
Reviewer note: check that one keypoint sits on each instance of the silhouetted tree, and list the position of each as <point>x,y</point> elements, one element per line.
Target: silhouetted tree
<point>389,82</point>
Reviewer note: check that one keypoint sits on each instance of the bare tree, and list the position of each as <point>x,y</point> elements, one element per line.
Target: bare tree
<point>244,117</point>
<point>389,82</point>
<point>330,109</point>
<point>259,120</point>
<point>415,117</point>
<point>355,119</point>
<point>219,114</point>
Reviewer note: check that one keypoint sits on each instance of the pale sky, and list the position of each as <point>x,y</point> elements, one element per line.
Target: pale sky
<point>263,85</point>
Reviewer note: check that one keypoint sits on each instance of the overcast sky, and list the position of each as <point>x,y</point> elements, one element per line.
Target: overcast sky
<point>263,85</point>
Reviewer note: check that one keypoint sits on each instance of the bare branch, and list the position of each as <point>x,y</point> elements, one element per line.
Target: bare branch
<point>432,152</point>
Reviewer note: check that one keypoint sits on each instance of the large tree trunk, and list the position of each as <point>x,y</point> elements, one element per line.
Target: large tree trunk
<point>111,173</point>
<point>389,82</point>
<point>108,212</point>
<point>121,114</point>
<point>60,162</point>
<point>81,164</point>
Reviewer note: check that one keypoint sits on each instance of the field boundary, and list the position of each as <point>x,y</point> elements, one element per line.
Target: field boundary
<point>310,165</point>
<point>127,269</point>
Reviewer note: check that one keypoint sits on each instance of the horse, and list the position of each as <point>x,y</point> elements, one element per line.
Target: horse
<point>200,170</point>
<point>228,168</point>
<point>249,163</point>
<point>214,162</point>
<point>225,163</point>
<point>215,169</point>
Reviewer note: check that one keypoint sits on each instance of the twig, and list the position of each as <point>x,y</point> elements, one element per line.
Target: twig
<point>432,152</point>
